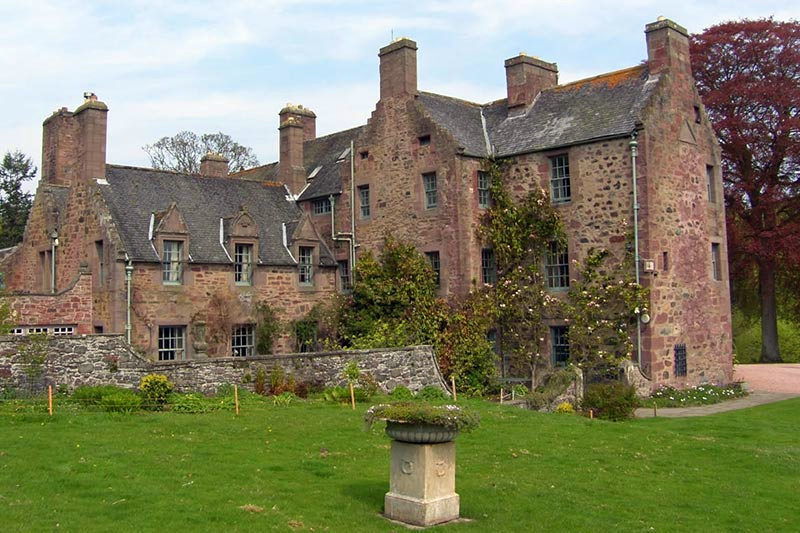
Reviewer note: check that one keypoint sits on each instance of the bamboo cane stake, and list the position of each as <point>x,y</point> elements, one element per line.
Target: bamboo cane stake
<point>352,397</point>
<point>236,398</point>
<point>50,399</point>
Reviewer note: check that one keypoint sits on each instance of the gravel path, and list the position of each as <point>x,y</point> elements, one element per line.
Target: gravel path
<point>784,377</point>
<point>766,383</point>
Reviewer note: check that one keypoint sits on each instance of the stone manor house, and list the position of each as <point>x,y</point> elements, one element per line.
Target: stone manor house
<point>180,263</point>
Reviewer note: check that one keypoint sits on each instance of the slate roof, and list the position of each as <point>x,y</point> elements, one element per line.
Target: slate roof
<point>132,194</point>
<point>595,108</point>
<point>323,153</point>
<point>601,107</point>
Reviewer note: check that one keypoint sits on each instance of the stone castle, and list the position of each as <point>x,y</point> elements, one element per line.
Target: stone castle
<point>182,263</point>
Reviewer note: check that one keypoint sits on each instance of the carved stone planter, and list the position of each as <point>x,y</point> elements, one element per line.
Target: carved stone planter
<point>422,479</point>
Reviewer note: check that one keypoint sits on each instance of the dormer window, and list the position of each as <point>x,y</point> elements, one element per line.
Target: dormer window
<point>424,140</point>
<point>172,263</point>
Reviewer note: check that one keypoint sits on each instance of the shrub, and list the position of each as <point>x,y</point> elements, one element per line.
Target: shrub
<point>449,416</point>
<point>122,401</point>
<point>283,399</point>
<point>565,407</point>
<point>88,395</point>
<point>190,403</point>
<point>431,393</point>
<point>553,386</point>
<point>342,394</point>
<point>155,391</point>
<point>260,386</point>
<point>611,401</point>
<point>401,394</point>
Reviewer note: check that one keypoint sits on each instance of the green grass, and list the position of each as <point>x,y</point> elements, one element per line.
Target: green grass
<point>310,466</point>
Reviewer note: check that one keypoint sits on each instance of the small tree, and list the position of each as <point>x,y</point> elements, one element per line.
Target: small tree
<point>15,204</point>
<point>183,151</point>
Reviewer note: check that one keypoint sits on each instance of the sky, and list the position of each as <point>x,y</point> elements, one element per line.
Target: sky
<point>167,66</point>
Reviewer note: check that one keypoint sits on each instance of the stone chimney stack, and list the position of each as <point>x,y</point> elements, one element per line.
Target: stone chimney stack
<point>214,165</point>
<point>399,69</point>
<point>297,125</point>
<point>526,77</point>
<point>667,47</point>
<point>74,143</point>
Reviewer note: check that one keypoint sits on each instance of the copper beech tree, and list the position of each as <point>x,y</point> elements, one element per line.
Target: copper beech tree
<point>748,75</point>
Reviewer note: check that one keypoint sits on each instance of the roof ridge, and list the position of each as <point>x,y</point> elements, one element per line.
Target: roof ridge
<point>468,102</point>
<point>617,74</point>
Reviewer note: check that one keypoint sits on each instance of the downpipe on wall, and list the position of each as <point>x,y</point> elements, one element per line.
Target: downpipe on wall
<point>128,280</point>
<point>636,260</point>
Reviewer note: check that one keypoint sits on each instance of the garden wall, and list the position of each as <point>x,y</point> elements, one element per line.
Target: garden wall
<point>107,359</point>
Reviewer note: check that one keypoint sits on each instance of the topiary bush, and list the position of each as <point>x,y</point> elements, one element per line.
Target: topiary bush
<point>611,401</point>
<point>155,389</point>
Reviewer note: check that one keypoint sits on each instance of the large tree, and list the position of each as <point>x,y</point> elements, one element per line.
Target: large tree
<point>182,152</point>
<point>748,74</point>
<point>15,203</point>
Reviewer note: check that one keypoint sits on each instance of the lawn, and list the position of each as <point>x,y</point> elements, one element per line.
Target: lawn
<point>311,467</point>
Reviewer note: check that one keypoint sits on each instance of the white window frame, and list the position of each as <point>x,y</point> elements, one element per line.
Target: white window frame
<point>171,343</point>
<point>243,253</point>
<point>172,262</point>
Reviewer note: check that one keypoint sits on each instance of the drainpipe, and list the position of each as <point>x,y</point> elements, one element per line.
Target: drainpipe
<point>128,278</point>
<point>352,212</point>
<point>634,152</point>
<point>53,246</point>
<point>344,237</point>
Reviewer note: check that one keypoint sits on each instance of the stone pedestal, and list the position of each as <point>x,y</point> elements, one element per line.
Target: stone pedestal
<point>422,484</point>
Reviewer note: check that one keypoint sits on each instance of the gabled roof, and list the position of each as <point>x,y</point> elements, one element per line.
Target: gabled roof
<point>600,107</point>
<point>132,194</point>
<point>594,108</point>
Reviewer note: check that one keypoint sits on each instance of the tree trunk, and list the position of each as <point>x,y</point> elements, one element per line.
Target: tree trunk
<point>769,315</point>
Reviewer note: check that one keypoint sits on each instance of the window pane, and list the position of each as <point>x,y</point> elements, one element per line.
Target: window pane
<point>559,341</point>
<point>484,192</point>
<point>242,341</point>
<point>488,269</point>
<point>243,263</point>
<point>306,265</point>
<point>363,197</point>
<point>170,343</point>
<point>172,262</point>
<point>436,265</point>
<point>557,266</point>
<point>559,179</point>
<point>431,195</point>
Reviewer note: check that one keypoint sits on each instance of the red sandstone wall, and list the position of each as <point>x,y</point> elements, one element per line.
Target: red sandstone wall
<point>72,306</point>
<point>155,304</point>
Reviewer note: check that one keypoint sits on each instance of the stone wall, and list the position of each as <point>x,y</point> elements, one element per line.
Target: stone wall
<point>107,359</point>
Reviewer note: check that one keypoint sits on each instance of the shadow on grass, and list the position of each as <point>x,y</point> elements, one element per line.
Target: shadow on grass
<point>369,493</point>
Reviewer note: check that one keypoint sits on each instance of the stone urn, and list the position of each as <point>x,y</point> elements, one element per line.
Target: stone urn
<point>419,433</point>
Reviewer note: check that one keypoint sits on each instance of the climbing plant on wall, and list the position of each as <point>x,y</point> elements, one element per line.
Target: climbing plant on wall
<point>519,233</point>
<point>603,305</point>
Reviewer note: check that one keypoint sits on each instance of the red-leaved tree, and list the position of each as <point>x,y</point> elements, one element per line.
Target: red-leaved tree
<point>748,74</point>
